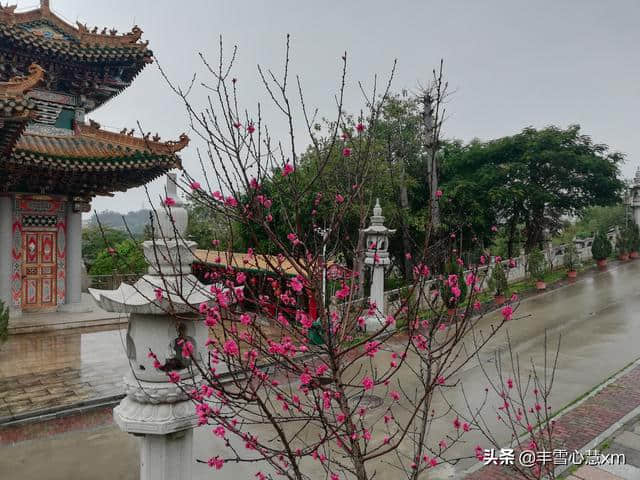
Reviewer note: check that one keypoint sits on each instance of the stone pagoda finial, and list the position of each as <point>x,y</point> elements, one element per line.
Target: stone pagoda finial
<point>172,218</point>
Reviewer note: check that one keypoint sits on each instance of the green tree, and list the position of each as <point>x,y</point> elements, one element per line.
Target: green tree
<point>498,280</point>
<point>601,247</point>
<point>571,258</point>
<point>532,179</point>
<point>95,240</point>
<point>536,264</point>
<point>127,257</point>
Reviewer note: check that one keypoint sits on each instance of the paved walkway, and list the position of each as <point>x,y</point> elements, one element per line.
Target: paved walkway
<point>589,423</point>
<point>39,372</point>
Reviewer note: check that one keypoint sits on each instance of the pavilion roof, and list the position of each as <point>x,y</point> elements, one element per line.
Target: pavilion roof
<point>86,161</point>
<point>86,62</point>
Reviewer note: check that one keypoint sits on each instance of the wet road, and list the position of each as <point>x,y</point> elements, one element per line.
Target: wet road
<point>597,318</point>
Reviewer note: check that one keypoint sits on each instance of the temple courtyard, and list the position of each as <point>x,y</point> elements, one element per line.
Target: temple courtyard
<point>595,317</point>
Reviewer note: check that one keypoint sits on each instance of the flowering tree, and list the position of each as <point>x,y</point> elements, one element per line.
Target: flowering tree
<point>355,402</point>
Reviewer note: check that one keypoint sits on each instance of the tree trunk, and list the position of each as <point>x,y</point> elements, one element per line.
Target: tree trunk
<point>406,237</point>
<point>432,164</point>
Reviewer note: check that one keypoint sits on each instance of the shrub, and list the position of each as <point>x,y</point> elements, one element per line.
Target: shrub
<point>634,237</point>
<point>4,322</point>
<point>622,241</point>
<point>571,258</point>
<point>601,248</point>
<point>498,280</point>
<point>536,264</point>
<point>127,257</point>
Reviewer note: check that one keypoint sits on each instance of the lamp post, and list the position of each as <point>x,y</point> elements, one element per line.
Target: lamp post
<point>323,232</point>
<point>377,257</point>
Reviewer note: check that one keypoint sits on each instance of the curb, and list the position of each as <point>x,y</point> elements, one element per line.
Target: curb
<point>598,439</point>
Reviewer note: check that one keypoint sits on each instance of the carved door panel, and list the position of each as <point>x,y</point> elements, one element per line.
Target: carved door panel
<point>39,270</point>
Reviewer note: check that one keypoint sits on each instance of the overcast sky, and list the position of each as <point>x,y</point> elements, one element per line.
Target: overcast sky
<point>511,63</point>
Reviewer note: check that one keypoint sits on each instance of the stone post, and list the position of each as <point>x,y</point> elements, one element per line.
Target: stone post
<point>154,409</point>
<point>73,274</point>
<point>377,258</point>
<point>6,240</point>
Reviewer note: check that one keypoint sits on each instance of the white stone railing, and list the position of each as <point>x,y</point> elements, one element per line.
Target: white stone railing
<point>554,255</point>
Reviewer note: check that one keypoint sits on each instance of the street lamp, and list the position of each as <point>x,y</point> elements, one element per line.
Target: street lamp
<point>324,233</point>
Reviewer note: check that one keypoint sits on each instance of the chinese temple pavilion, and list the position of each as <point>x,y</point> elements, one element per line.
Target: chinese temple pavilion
<point>53,162</point>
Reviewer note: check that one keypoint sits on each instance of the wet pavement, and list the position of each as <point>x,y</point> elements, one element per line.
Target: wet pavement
<point>596,316</point>
<point>41,371</point>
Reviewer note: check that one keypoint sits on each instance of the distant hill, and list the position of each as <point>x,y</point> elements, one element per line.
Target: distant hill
<point>135,220</point>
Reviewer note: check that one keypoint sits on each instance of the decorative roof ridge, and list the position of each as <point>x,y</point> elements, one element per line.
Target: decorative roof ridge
<point>80,32</point>
<point>170,147</point>
<point>19,85</point>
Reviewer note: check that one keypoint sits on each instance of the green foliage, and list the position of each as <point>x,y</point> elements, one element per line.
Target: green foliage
<point>4,322</point>
<point>536,264</point>
<point>571,258</point>
<point>127,257</point>
<point>529,181</point>
<point>95,240</point>
<point>204,226</point>
<point>600,218</point>
<point>498,280</point>
<point>623,241</point>
<point>601,247</point>
<point>634,237</point>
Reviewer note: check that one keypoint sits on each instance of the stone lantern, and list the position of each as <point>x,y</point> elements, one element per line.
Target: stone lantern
<point>377,258</point>
<point>154,408</point>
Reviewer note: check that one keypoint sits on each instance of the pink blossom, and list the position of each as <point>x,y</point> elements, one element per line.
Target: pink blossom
<point>219,431</point>
<point>466,427</point>
<point>339,198</point>
<point>456,423</point>
<point>195,185</point>
<point>287,170</point>
<point>251,128</point>
<point>169,202</point>
<point>187,349</point>
<point>343,292</point>
<point>494,228</point>
<point>245,319</point>
<point>507,312</point>
<point>479,452</point>
<point>367,383</point>
<point>371,348</point>
<point>510,383</point>
<point>438,193</point>
<point>346,152</point>
<point>360,127</point>
<point>158,293</point>
<point>321,369</point>
<point>231,202</point>
<point>296,284</point>
<point>174,377</point>
<point>441,380</point>
<point>216,462</point>
<point>305,379</point>
<point>231,347</point>
<point>456,291</point>
<point>240,278</point>
<point>293,238</point>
